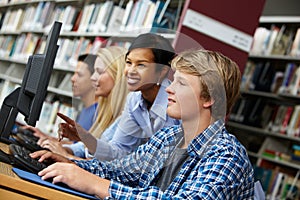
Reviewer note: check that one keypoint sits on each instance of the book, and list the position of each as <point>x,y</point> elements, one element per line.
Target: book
<point>103,17</point>
<point>151,12</point>
<point>253,116</point>
<point>266,115</point>
<point>93,18</point>
<point>286,119</point>
<point>294,85</point>
<point>278,184</point>
<point>45,18</point>
<point>127,13</point>
<point>295,49</point>
<point>77,21</point>
<point>277,81</point>
<point>260,41</point>
<point>256,75</point>
<point>264,175</point>
<point>115,19</point>
<point>86,15</point>
<point>288,74</point>
<point>97,43</point>
<point>278,121</point>
<point>141,15</point>
<point>282,42</point>
<point>274,31</point>
<point>66,83</point>
<point>265,78</point>
<point>240,111</point>
<point>36,23</point>
<point>29,17</point>
<point>43,122</point>
<point>294,122</point>
<point>133,16</point>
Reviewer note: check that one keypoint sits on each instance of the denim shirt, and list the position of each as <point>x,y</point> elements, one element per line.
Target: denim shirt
<point>137,124</point>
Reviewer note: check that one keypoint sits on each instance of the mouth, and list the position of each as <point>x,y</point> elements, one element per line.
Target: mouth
<point>171,101</point>
<point>132,81</point>
<point>95,86</point>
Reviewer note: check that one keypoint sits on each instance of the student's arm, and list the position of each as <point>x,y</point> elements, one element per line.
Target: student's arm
<point>126,137</point>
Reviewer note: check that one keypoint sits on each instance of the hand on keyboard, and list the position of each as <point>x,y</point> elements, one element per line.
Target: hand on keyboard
<point>29,142</point>
<point>23,159</point>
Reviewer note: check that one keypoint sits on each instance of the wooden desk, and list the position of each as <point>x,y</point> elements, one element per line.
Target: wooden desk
<point>12,187</point>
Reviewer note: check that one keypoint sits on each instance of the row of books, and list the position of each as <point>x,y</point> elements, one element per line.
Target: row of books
<point>93,17</point>
<point>60,80</point>
<point>22,46</point>
<point>48,121</point>
<point>278,40</point>
<point>277,181</point>
<point>278,119</point>
<point>26,44</point>
<point>12,1</point>
<point>263,76</point>
<point>32,17</point>
<point>277,184</point>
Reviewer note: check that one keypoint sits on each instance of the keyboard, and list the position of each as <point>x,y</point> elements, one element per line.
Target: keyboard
<point>23,160</point>
<point>29,142</point>
<point>6,158</point>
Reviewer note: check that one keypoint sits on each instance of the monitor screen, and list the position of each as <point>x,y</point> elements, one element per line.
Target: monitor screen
<point>29,98</point>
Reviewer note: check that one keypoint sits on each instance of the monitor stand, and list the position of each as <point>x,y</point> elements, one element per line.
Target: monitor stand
<point>8,114</point>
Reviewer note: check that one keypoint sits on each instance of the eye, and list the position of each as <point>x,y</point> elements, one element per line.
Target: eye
<point>141,65</point>
<point>99,71</point>
<point>181,82</point>
<point>128,62</point>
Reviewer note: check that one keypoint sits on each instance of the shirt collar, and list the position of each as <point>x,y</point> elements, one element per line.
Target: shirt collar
<point>199,143</point>
<point>159,106</point>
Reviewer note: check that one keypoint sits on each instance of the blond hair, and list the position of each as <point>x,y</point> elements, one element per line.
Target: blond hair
<point>110,107</point>
<point>212,67</point>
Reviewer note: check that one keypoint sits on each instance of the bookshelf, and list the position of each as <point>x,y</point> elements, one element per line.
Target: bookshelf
<point>87,26</point>
<point>266,118</point>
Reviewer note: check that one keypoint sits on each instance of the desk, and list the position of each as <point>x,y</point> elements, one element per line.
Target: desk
<point>12,187</point>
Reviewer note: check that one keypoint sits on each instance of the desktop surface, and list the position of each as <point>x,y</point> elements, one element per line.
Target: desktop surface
<point>13,187</point>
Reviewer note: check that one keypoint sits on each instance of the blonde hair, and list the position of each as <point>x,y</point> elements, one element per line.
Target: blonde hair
<point>110,107</point>
<point>212,67</point>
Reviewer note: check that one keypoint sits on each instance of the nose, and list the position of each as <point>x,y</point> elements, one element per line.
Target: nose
<point>93,77</point>
<point>73,78</point>
<point>169,89</point>
<point>131,69</point>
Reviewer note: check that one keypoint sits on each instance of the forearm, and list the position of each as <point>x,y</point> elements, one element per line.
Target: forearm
<point>101,188</point>
<point>107,151</point>
<point>90,142</point>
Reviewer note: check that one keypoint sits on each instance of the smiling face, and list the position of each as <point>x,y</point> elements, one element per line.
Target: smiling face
<point>184,100</point>
<point>81,83</point>
<point>101,79</point>
<point>140,70</point>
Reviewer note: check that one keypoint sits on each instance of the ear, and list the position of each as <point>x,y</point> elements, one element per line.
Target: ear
<point>208,103</point>
<point>164,72</point>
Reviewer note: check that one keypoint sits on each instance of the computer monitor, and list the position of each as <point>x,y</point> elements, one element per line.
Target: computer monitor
<point>29,98</point>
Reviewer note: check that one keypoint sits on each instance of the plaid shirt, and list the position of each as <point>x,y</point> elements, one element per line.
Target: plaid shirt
<point>217,168</point>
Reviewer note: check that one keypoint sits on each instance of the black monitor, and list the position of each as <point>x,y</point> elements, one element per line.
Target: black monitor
<point>29,98</point>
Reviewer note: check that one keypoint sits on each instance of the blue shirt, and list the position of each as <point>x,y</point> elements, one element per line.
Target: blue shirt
<point>137,124</point>
<point>86,117</point>
<point>216,169</point>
